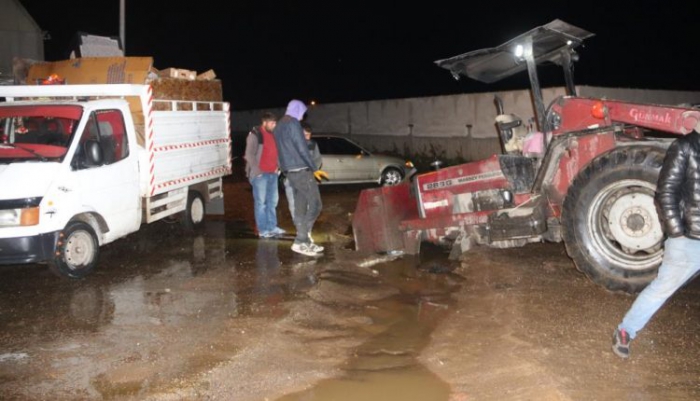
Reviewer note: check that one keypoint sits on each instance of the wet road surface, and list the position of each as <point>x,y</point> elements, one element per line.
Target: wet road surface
<point>222,315</point>
<point>162,305</point>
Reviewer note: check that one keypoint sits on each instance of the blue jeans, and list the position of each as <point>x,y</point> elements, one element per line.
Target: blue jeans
<point>265,198</point>
<point>680,263</point>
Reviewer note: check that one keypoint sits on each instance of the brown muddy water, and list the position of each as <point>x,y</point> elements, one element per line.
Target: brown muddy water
<point>385,366</point>
<point>165,309</point>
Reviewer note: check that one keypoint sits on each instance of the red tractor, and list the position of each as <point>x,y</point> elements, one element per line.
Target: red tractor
<point>587,177</point>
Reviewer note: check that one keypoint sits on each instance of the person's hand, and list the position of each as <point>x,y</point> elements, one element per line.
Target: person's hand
<point>320,175</point>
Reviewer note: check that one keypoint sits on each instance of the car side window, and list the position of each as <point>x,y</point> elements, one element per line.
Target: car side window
<point>323,145</point>
<point>337,146</point>
<point>106,129</point>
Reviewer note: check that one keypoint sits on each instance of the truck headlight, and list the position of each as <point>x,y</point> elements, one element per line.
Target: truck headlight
<point>409,164</point>
<point>28,216</point>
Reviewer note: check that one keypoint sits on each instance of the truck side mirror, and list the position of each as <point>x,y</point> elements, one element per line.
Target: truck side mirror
<point>93,153</point>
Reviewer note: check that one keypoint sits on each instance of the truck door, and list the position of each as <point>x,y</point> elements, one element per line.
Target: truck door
<point>108,181</point>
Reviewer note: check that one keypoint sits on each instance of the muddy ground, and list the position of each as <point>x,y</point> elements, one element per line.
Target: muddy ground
<point>222,315</point>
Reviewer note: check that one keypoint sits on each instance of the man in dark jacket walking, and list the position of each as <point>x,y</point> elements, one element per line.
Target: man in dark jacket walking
<point>678,203</point>
<point>298,166</point>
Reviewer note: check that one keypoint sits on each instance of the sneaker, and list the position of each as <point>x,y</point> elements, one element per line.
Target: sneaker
<point>621,343</point>
<point>315,248</point>
<point>278,231</point>
<point>266,234</point>
<point>304,249</point>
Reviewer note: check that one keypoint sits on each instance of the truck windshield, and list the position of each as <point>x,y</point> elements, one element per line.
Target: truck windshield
<point>36,132</point>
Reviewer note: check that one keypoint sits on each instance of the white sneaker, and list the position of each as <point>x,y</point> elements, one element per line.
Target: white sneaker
<point>304,249</point>
<point>278,231</point>
<point>316,248</point>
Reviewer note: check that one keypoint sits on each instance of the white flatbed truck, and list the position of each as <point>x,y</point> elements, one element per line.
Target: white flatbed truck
<point>84,165</point>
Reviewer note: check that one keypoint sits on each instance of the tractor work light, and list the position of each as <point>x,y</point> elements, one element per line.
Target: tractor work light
<point>519,51</point>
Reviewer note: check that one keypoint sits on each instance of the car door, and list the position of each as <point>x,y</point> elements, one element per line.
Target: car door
<point>109,187</point>
<point>358,164</point>
<point>348,162</point>
<point>331,165</point>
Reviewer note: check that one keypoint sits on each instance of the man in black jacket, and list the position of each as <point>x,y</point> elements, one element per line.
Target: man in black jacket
<point>297,164</point>
<point>678,203</point>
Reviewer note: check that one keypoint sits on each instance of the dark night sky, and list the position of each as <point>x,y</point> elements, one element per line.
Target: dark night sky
<point>266,54</point>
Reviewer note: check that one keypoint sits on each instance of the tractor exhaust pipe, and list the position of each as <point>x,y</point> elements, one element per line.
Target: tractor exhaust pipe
<point>499,104</point>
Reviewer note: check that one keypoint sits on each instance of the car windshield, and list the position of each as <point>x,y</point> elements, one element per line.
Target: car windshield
<point>36,132</point>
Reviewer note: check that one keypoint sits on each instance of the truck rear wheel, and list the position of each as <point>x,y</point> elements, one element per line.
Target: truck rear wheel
<point>193,216</point>
<point>610,226</point>
<point>77,251</point>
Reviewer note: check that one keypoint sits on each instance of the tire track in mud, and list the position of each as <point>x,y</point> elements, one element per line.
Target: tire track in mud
<point>492,361</point>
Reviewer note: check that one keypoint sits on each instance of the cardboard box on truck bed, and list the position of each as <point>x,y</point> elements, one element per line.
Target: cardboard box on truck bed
<point>129,70</point>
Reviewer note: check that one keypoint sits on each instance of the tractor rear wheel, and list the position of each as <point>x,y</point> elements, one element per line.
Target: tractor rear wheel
<point>611,228</point>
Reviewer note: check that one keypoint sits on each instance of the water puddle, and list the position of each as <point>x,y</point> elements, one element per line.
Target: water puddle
<point>385,367</point>
<point>406,384</point>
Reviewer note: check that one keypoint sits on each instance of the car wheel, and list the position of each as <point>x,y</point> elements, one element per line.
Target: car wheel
<point>391,176</point>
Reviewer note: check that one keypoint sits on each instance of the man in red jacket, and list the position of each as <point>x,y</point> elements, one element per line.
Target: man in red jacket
<point>262,170</point>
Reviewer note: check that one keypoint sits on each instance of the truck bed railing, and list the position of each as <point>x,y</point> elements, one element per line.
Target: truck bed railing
<point>187,105</point>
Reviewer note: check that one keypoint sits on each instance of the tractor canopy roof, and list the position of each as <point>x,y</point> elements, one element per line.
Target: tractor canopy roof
<point>550,43</point>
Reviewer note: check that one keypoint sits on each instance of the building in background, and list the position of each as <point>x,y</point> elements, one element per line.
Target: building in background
<point>21,39</point>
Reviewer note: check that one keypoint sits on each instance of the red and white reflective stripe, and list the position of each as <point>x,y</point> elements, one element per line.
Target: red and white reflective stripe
<point>216,171</point>
<point>227,109</point>
<point>189,145</point>
<point>148,113</point>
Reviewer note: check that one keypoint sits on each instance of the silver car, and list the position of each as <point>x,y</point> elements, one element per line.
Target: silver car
<point>347,162</point>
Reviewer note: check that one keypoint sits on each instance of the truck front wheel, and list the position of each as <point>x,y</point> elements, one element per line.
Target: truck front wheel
<point>77,251</point>
<point>611,228</point>
<point>193,217</point>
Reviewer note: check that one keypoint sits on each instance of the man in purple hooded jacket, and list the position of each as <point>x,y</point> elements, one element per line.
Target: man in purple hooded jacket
<point>298,166</point>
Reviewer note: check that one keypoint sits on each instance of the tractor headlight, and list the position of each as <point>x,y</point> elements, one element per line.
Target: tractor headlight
<point>19,217</point>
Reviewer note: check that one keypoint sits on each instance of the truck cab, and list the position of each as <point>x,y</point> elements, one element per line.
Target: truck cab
<point>64,161</point>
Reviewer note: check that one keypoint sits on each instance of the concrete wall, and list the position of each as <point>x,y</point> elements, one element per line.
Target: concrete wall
<point>20,36</point>
<point>448,127</point>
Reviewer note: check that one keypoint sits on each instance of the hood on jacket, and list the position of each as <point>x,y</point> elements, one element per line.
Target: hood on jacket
<point>296,109</point>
